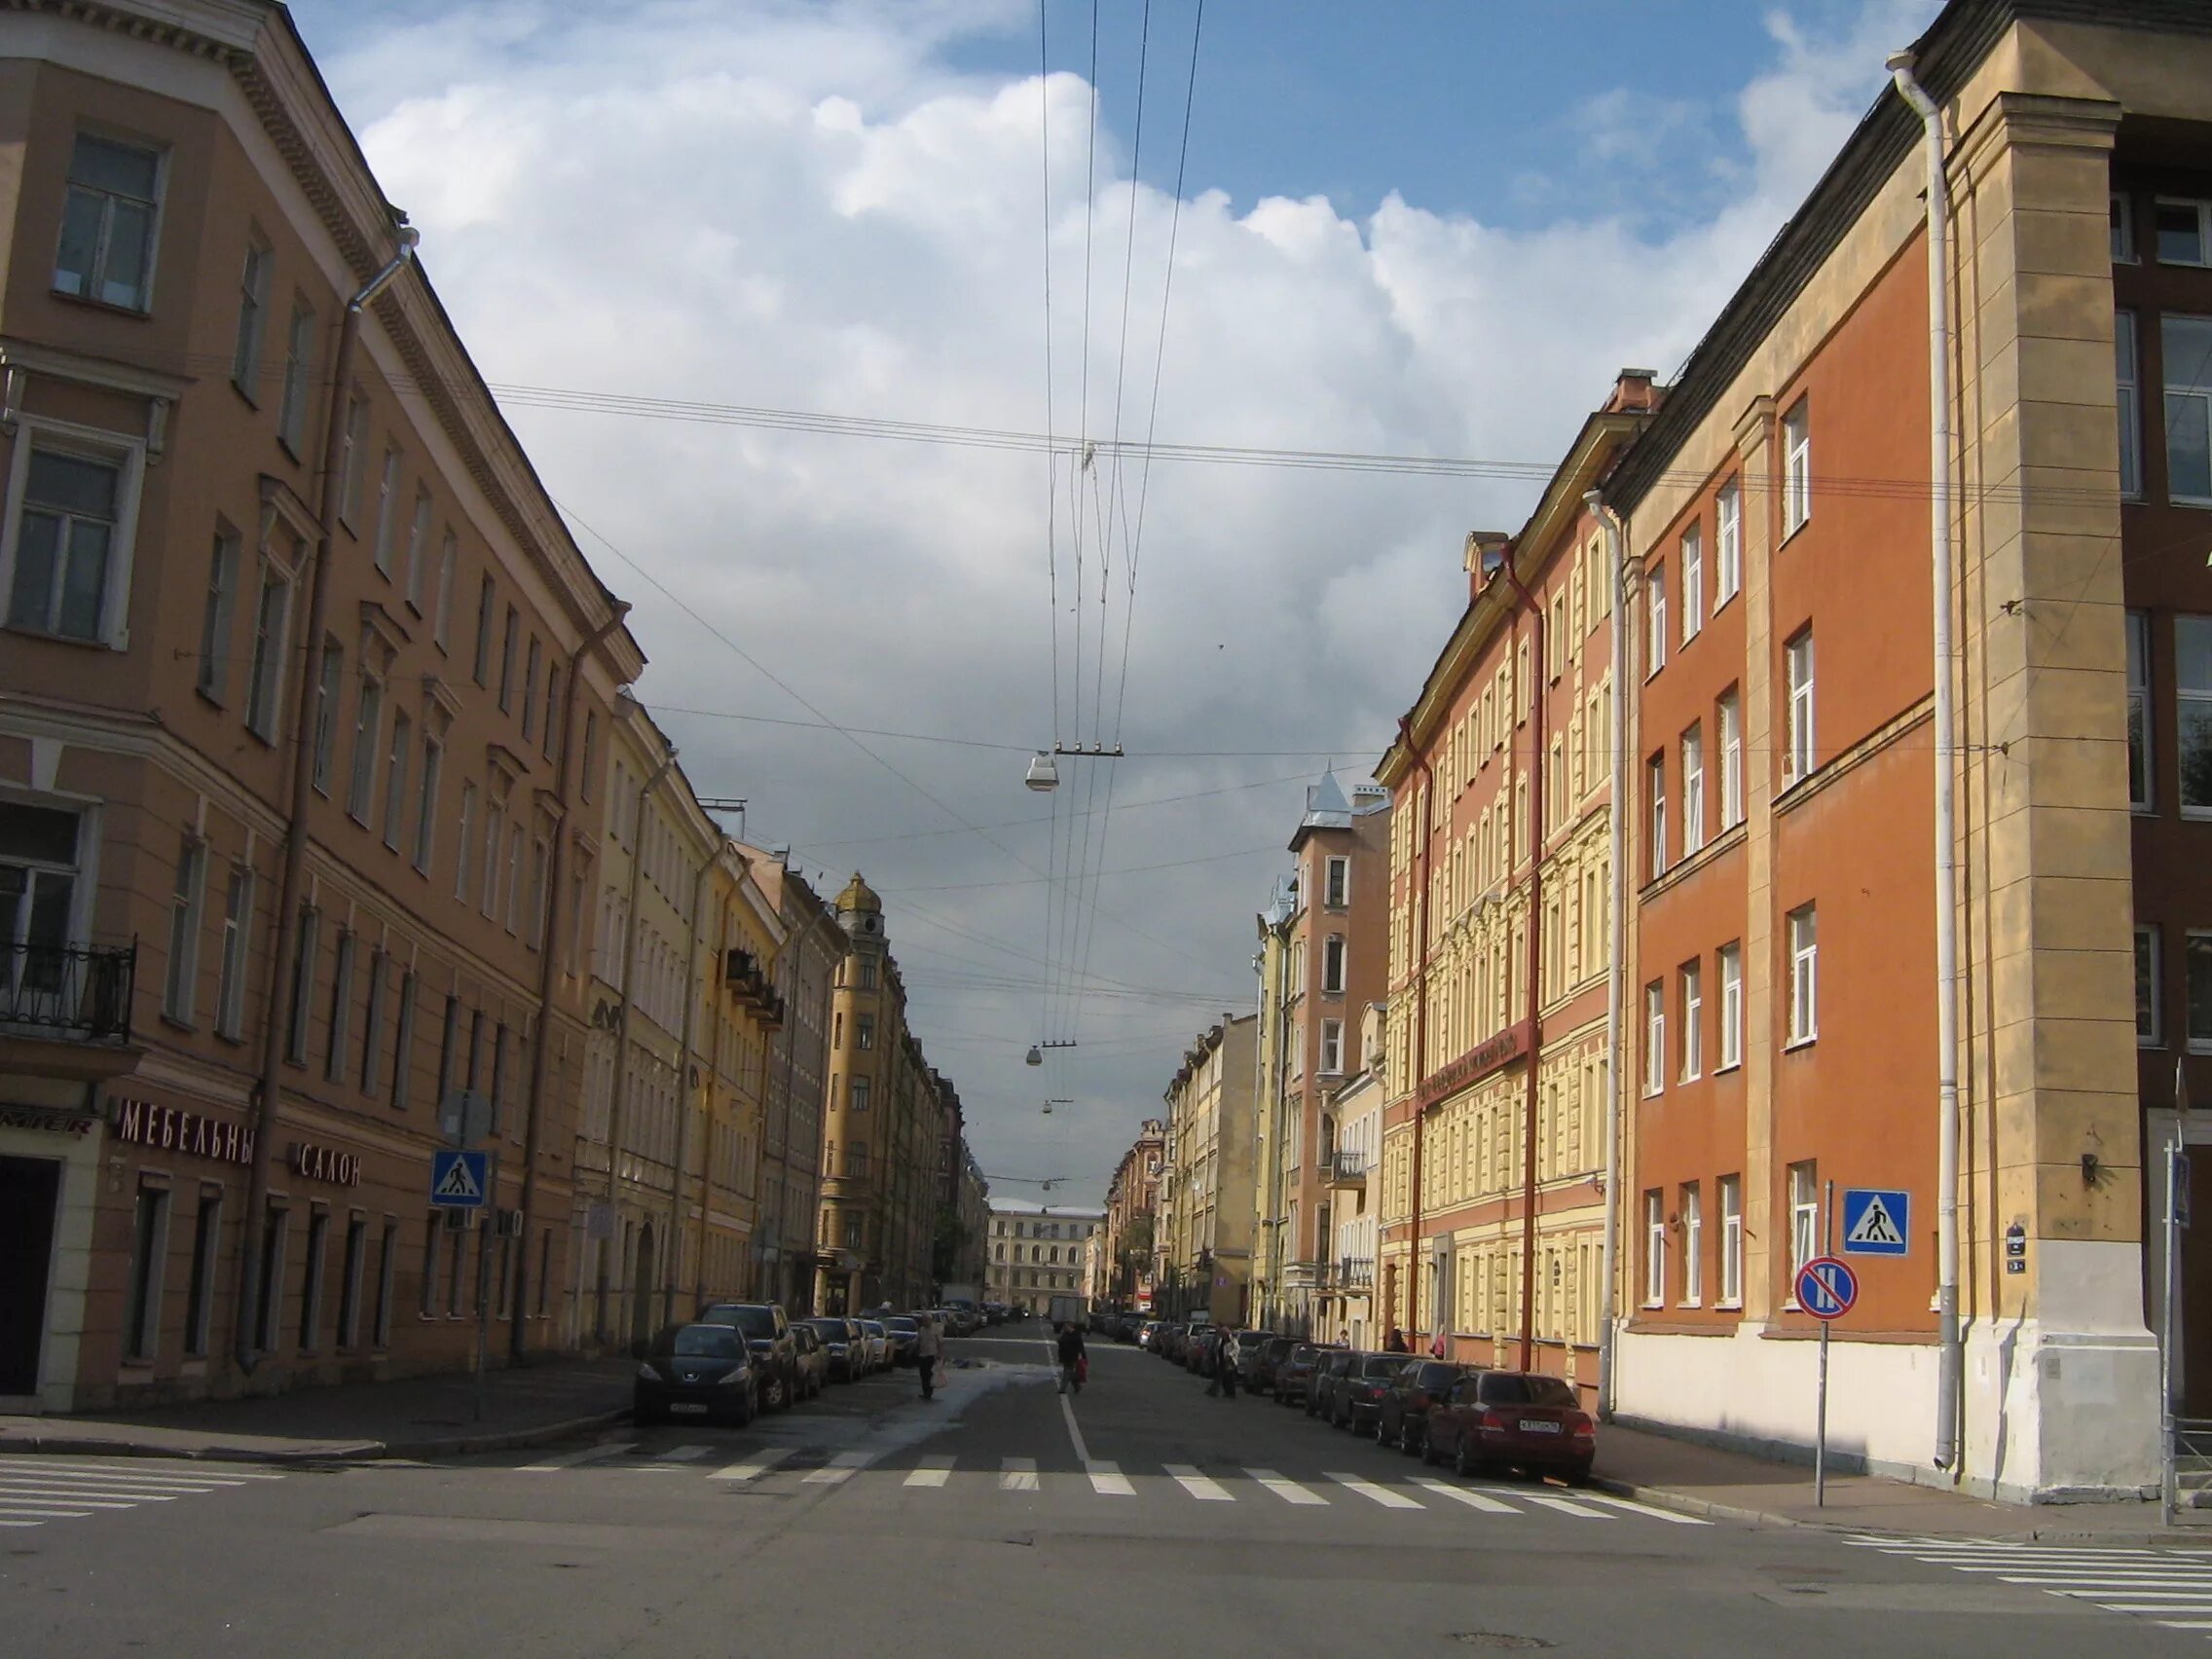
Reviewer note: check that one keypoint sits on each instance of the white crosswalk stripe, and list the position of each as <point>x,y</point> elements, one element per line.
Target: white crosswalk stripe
<point>1286,1489</point>
<point>753,1468</point>
<point>1200,1486</point>
<point>1564,1505</point>
<point>1382,1495</point>
<point>585,1454</point>
<point>840,1468</point>
<point>1017,1474</point>
<point>1472,1499</point>
<point>2169,1586</point>
<point>1108,1481</point>
<point>685,1454</point>
<point>36,1488</point>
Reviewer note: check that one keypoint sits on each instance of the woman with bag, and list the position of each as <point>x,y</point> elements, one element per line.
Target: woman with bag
<point>1074,1362</point>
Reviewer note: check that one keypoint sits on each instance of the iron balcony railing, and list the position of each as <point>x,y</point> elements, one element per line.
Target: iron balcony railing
<point>68,990</point>
<point>1349,1165</point>
<point>1356,1270</point>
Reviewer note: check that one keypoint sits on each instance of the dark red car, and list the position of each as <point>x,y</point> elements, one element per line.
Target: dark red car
<point>1403,1421</point>
<point>1511,1419</point>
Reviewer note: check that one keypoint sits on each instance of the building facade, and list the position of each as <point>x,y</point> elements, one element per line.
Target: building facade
<point>1037,1253</point>
<point>1132,1199</point>
<point>1347,1312</point>
<point>1206,1261</point>
<point>299,687</point>
<point>1493,1155</point>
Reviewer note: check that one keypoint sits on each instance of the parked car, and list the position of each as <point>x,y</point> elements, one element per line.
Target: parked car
<point>813,1361</point>
<point>878,1338</point>
<point>1328,1372</point>
<point>847,1348</point>
<point>702,1371</point>
<point>1417,1386</point>
<point>904,1331</point>
<point>1199,1356</point>
<point>1293,1380</point>
<point>1262,1363</point>
<point>1358,1395</point>
<point>1512,1420</point>
<point>1251,1345</point>
<point>775,1351</point>
<point>995,1312</point>
<point>1148,1335</point>
<point>1169,1345</point>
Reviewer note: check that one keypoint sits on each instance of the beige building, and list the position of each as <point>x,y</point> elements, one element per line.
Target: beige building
<point>1349,1312</point>
<point>300,690</point>
<point>1039,1252</point>
<point>1209,1201</point>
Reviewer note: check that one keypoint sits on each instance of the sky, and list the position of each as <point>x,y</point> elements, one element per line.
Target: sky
<point>1403,229</point>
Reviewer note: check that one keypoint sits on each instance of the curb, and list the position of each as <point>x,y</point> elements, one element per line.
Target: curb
<point>323,1453</point>
<point>463,1445</point>
<point>1662,1497</point>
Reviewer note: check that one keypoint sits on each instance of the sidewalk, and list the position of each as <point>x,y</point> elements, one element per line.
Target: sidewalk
<point>1706,1479</point>
<point>418,1416</point>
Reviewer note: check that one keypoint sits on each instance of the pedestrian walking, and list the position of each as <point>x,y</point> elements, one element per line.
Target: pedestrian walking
<point>1073,1359</point>
<point>929,1347</point>
<point>1396,1341</point>
<point>1225,1361</point>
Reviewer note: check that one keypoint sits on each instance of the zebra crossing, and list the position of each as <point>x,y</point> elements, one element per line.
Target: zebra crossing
<point>798,1468</point>
<point>2172,1587</point>
<point>37,1490</point>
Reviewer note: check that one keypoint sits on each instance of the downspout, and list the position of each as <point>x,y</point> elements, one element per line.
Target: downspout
<point>621,1099</point>
<point>1535,989</point>
<point>673,1263</point>
<point>1616,968</point>
<point>1420,1008</point>
<point>292,872</point>
<point>1950,1369</point>
<point>548,977</point>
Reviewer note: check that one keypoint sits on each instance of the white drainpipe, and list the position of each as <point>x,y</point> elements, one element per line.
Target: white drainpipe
<point>1950,1368</point>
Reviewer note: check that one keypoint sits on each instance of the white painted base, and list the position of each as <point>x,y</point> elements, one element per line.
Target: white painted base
<point>2064,1409</point>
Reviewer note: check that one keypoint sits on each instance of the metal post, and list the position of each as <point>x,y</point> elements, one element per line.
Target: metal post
<point>1821,1410</point>
<point>2170,1474</point>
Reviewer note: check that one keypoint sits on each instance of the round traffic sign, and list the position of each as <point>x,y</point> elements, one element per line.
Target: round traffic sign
<point>1826,1288</point>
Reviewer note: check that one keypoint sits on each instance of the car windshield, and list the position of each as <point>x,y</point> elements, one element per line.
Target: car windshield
<point>1514,1388</point>
<point>1303,1353</point>
<point>904,1326</point>
<point>1382,1365</point>
<point>1340,1363</point>
<point>828,1330</point>
<point>751,1318</point>
<point>704,1342</point>
<point>1435,1376</point>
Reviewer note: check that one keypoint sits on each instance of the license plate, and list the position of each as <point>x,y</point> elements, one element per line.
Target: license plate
<point>1538,1425</point>
<point>687,1406</point>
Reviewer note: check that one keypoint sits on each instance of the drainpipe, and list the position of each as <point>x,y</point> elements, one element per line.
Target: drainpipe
<point>549,961</point>
<point>673,1262</point>
<point>1617,967</point>
<point>1421,1009</point>
<point>292,876</point>
<point>1950,1367</point>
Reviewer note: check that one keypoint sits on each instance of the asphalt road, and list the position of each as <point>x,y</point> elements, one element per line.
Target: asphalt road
<point>1143,1518</point>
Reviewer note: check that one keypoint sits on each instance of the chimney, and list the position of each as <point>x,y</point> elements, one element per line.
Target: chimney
<point>1633,392</point>
<point>1481,544</point>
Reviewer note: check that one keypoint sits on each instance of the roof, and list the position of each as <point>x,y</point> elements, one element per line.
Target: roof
<point>859,895</point>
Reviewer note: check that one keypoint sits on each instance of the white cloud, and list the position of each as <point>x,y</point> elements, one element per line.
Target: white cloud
<point>802,206</point>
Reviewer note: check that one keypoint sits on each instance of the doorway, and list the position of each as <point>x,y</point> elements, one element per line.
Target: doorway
<point>30,1191</point>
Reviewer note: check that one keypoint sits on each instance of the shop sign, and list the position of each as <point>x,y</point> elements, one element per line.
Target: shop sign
<point>60,1120</point>
<point>170,1129</point>
<point>325,1164</point>
<point>1488,1055</point>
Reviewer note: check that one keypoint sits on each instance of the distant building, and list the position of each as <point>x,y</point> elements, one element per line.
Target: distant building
<point>1205,1262</point>
<point>1132,1200</point>
<point>1037,1252</point>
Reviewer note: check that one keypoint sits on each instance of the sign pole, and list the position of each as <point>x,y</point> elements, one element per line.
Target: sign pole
<point>484,1284</point>
<point>1820,1408</point>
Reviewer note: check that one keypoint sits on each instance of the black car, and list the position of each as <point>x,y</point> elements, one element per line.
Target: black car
<point>1293,1380</point>
<point>1256,1354</point>
<point>1404,1418</point>
<point>1357,1400</point>
<point>904,1334</point>
<point>775,1351</point>
<point>1328,1371</point>
<point>699,1371</point>
<point>847,1348</point>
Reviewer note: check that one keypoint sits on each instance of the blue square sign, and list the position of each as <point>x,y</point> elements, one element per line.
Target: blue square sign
<point>459,1180</point>
<point>1877,1221</point>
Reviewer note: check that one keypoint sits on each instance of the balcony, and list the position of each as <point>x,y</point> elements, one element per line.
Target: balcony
<point>1347,1167</point>
<point>743,979</point>
<point>65,1009</point>
<point>1355,1272</point>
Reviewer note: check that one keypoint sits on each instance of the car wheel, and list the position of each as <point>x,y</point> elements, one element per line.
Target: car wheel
<point>777,1395</point>
<point>1428,1453</point>
<point>1578,1477</point>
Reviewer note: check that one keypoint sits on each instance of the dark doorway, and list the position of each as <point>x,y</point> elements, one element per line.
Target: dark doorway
<point>30,1189</point>
<point>642,1293</point>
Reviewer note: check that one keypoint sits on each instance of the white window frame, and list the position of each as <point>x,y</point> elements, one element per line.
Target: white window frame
<point>1730,707</point>
<point>1332,1047</point>
<point>368,744</point>
<point>449,555</point>
<point>142,305</point>
<point>1730,1189</point>
<point>464,860</point>
<point>127,455</point>
<point>1693,789</point>
<point>1655,1247</point>
<point>2121,226</point>
<point>1804,1220</point>
<point>329,692</point>
<point>1797,467</point>
<point>1691,978</point>
<point>2147,957</point>
<point>1729,964</point>
<point>2193,706</point>
<point>180,984</point>
<point>399,753</point>
<point>1655,615</point>
<point>2141,792</point>
<point>1693,582</point>
<point>1691,1208</point>
<point>1336,888</point>
<point>252,319</point>
<point>2198,390</point>
<point>1655,779</point>
<point>341,1020</point>
<point>2128,382</point>
<point>1802,933</point>
<point>1727,542</point>
<point>352,445</point>
<point>1336,958</point>
<point>388,493</point>
<point>264,667</point>
<point>1654,1039</point>
<point>1798,753</point>
<point>427,811</point>
<point>2199,1042</point>
<point>300,343</point>
<point>218,614</point>
<point>2203,211</point>
<point>237,946</point>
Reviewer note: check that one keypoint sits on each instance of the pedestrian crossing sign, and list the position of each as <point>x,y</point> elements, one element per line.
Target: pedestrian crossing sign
<point>1876,1222</point>
<point>458,1178</point>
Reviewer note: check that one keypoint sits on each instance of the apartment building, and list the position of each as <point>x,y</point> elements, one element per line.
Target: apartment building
<point>1347,1312</point>
<point>1204,1260</point>
<point>299,688</point>
<point>1493,1143</point>
<point>1132,1213</point>
<point>1037,1252</point>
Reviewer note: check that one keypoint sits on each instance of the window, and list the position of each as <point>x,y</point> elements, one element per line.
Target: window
<point>509,637</point>
<point>1691,1209</point>
<point>352,447</point>
<point>107,223</point>
<point>449,554</point>
<point>1804,1219</point>
<point>388,502</point>
<point>1656,607</point>
<point>1797,467</point>
<point>275,1220</point>
<point>1730,961</point>
<point>214,677</point>
<point>549,731</point>
<point>1336,889</point>
<point>253,312</point>
<point>66,544</point>
<point>857,1094</point>
<point>368,729</point>
<point>350,1282</point>
<point>2146,1032</point>
<point>1654,1248</point>
<point>1654,1037</point>
<point>401,750</point>
<point>417,541</point>
<point>341,1008</point>
<point>867,973</point>
<point>387,1263</point>
<point>591,753</point>
<point>1332,964</point>
<point>1797,759</point>
<point>427,808</point>
<point>1332,1045</point>
<point>1655,774</point>
<point>448,1036</point>
<point>265,682</point>
<point>430,1231</point>
<point>2193,712</point>
<point>237,941</point>
<point>1693,582</point>
<point>2187,344</point>
<point>1804,976</point>
<point>329,673</point>
<point>305,944</point>
<point>403,1046</point>
<point>2131,405</point>
<point>466,846</point>
<point>534,662</point>
<point>372,1024</point>
<point>856,1160</point>
<point>1693,791</point>
<point>1727,542</point>
<point>2183,227</point>
<point>1731,1195</point>
<point>298,377</point>
<point>149,1253</point>
<point>2199,967</point>
<point>485,609</point>
<point>2138,711</point>
<point>1731,717</point>
<point>514,878</point>
<point>864,1031</point>
<point>1693,1021</point>
<point>2121,214</point>
<point>179,988</point>
<point>852,1232</point>
<point>311,1290</point>
<point>200,1300</point>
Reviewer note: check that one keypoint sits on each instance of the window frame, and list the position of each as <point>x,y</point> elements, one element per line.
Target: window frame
<point>2195,1044</point>
<point>1690,980</point>
<point>1801,938</point>
<point>300,353</point>
<point>1336,882</point>
<point>126,455</point>
<point>1804,1194</point>
<point>1692,560</point>
<point>236,954</point>
<point>1655,619</point>
<point>2199,390</point>
<point>1728,970</point>
<point>1798,467</point>
<point>1655,1247</point>
<point>272,649</point>
<point>95,278</point>
<point>1799,752</point>
<point>2202,208</point>
<point>2127,383</point>
<point>1656,779</point>
<point>1727,541</point>
<point>1728,717</point>
<point>368,745</point>
<point>1654,1039</point>
<point>251,329</point>
<point>1729,1194</point>
<point>1693,789</point>
<point>218,616</point>
<point>1332,1047</point>
<point>2149,1008</point>
<point>1335,963</point>
<point>188,892</point>
<point>1689,1206</point>
<point>2142,755</point>
<point>2187,697</point>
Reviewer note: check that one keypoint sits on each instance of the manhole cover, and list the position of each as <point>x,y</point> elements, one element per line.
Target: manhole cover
<point>1498,1641</point>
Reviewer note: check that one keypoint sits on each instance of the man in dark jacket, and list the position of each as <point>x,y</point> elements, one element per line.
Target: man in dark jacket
<point>1071,1355</point>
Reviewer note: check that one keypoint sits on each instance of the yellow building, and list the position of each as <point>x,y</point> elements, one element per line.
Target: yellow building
<point>1206,1265</point>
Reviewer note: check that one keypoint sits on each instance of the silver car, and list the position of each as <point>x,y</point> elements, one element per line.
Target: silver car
<point>878,1337</point>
